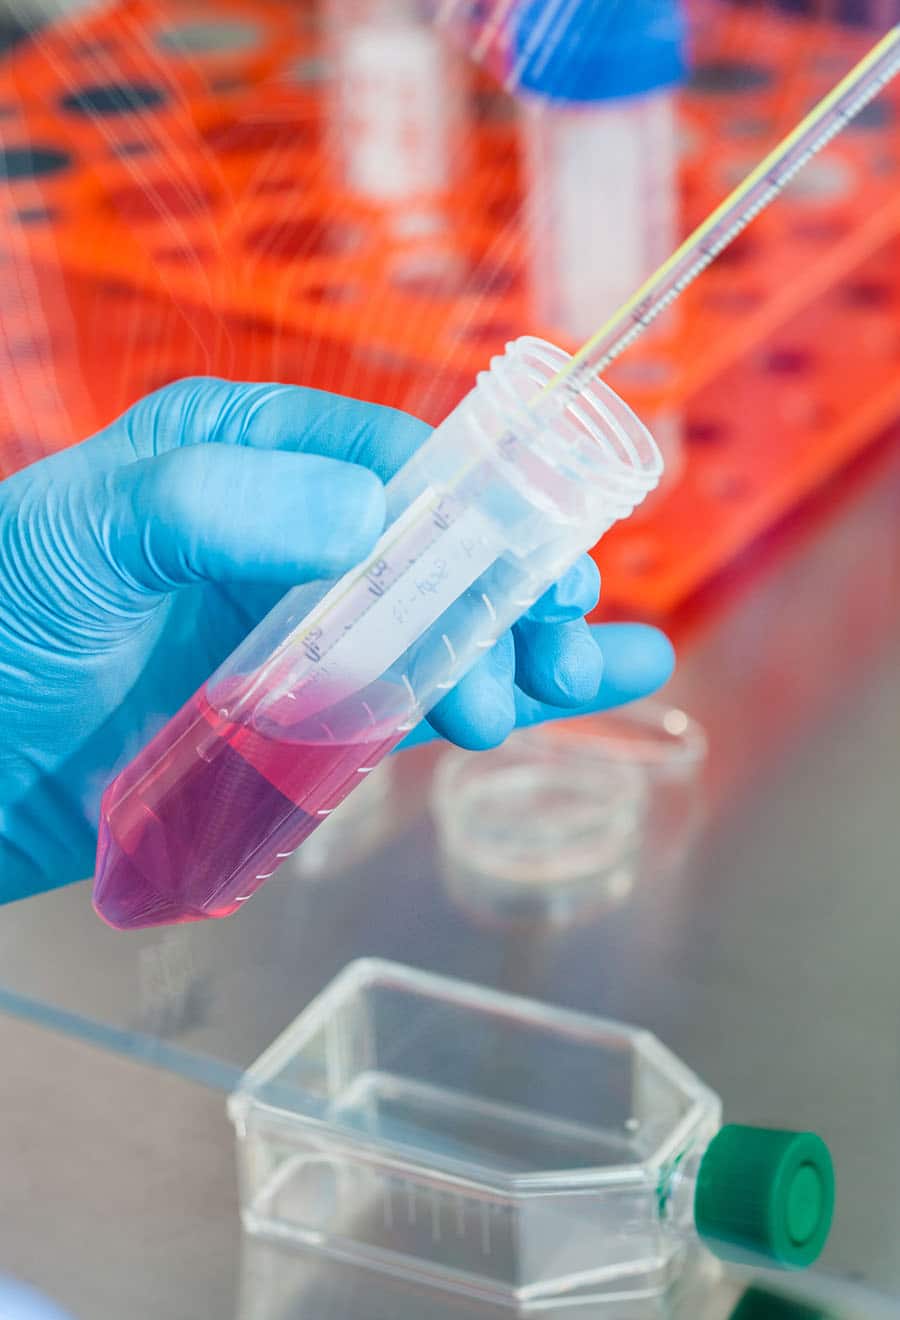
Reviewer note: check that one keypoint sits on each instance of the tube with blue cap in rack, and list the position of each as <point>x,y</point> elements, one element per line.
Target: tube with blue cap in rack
<point>601,151</point>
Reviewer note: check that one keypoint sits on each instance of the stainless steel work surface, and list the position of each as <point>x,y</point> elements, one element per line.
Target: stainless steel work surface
<point>119,1199</point>
<point>768,959</point>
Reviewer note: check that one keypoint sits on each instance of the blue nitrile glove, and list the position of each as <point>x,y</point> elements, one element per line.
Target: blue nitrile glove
<point>132,564</point>
<point>19,1302</point>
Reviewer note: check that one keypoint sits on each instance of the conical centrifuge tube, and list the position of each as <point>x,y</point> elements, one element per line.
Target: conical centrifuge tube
<point>491,510</point>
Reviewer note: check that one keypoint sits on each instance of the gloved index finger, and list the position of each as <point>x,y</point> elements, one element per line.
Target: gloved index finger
<point>203,410</point>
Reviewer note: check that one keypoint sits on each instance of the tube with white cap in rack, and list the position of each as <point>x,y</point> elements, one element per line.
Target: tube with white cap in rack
<point>398,101</point>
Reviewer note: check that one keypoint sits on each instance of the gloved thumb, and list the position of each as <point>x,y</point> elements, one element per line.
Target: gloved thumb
<point>221,513</point>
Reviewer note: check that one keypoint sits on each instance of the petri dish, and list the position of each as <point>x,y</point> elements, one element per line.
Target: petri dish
<point>567,813</point>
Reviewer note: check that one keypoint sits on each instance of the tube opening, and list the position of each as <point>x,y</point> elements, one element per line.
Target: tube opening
<point>593,436</point>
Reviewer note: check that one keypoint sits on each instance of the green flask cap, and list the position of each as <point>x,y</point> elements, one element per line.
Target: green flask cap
<point>760,1304</point>
<point>765,1196</point>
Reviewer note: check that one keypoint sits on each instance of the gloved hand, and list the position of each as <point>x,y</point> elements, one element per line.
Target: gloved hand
<point>132,564</point>
<point>19,1302</point>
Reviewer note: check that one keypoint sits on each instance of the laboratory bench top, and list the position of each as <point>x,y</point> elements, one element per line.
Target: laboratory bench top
<point>767,956</point>
<point>120,1199</point>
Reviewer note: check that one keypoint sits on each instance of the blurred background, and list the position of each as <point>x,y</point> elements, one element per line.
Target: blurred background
<point>373,197</point>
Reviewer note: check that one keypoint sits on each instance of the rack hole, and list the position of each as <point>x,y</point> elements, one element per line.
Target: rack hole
<point>30,161</point>
<point>331,293</point>
<point>503,209</point>
<point>159,201</point>
<point>487,332</point>
<point>125,150</point>
<point>855,13</point>
<point>868,293</point>
<point>183,256</point>
<point>489,278</point>
<point>731,300</point>
<point>307,236</point>
<point>705,432</point>
<point>36,215</point>
<point>91,46</point>
<point>113,99</point>
<point>727,486</point>
<point>493,106</point>
<point>751,126</point>
<point>833,66</point>
<point>258,135</point>
<point>819,231</point>
<point>649,373</point>
<point>275,187</point>
<point>156,380</point>
<point>789,360</point>
<point>227,83</point>
<point>209,38</point>
<point>440,279</point>
<point>877,114</point>
<point>639,557</point>
<point>719,77</point>
<point>744,248</point>
<point>12,30</point>
<point>821,181</point>
<point>30,348</point>
<point>309,71</point>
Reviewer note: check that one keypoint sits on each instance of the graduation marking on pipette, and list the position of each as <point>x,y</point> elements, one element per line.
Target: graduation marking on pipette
<point>729,219</point>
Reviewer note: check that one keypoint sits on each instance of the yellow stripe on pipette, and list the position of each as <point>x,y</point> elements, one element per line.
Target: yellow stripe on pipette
<point>866,79</point>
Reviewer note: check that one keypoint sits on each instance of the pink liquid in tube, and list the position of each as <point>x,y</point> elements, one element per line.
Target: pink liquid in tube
<point>211,786</point>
